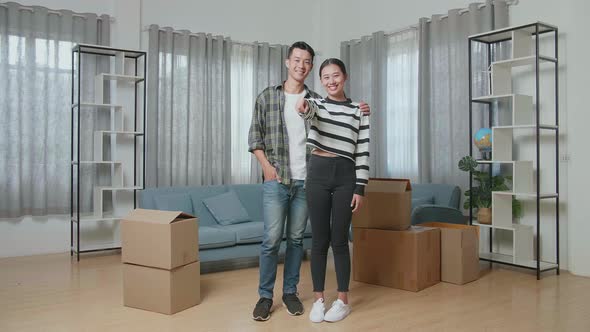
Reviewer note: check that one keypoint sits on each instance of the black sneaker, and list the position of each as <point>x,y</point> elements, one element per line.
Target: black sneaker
<point>263,309</point>
<point>293,305</point>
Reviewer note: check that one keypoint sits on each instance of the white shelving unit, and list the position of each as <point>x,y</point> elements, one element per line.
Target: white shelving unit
<point>525,115</point>
<point>117,149</point>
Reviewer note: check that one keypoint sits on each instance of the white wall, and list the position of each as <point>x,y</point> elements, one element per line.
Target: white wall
<point>570,17</point>
<point>342,20</point>
<point>270,21</point>
<point>329,23</point>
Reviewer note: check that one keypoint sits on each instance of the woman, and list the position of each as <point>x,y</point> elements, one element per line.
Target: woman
<point>338,171</point>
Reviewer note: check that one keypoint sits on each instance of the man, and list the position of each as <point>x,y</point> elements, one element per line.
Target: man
<point>277,138</point>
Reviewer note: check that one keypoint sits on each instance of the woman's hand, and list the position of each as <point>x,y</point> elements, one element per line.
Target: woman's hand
<point>364,107</point>
<point>357,202</point>
<point>302,106</point>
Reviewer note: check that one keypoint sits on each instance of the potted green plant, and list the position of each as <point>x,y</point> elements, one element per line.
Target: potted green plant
<point>481,196</point>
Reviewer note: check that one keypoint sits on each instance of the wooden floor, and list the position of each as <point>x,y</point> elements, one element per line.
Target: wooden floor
<point>56,293</point>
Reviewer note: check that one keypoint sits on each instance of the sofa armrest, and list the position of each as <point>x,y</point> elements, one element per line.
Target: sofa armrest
<point>439,213</point>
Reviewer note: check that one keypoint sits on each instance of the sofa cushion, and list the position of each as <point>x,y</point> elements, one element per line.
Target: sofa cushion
<point>417,201</point>
<point>215,237</point>
<point>251,197</point>
<point>198,194</point>
<point>226,208</point>
<point>248,232</point>
<point>174,202</point>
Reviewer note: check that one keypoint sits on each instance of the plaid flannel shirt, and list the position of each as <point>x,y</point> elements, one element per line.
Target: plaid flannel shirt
<point>268,131</point>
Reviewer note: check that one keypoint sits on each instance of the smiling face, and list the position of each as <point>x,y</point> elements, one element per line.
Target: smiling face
<point>299,64</point>
<point>333,80</point>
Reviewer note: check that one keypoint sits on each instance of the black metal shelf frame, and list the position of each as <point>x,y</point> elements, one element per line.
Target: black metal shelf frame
<point>489,39</point>
<point>76,78</point>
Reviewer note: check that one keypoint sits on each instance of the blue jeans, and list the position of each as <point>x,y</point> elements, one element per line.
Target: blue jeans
<point>282,202</point>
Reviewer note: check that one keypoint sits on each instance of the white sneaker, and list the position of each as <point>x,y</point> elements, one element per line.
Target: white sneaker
<point>316,314</point>
<point>339,311</point>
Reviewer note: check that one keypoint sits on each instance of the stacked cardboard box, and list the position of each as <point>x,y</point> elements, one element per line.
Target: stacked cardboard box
<point>387,205</point>
<point>386,250</point>
<point>160,252</point>
<point>459,252</point>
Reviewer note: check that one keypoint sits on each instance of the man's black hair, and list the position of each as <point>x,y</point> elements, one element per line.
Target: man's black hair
<point>302,46</point>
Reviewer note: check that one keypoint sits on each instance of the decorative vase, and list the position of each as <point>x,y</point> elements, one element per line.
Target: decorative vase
<point>483,140</point>
<point>484,216</point>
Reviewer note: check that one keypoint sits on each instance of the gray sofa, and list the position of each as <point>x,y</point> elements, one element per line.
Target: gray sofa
<point>436,202</point>
<point>236,246</point>
<point>220,247</point>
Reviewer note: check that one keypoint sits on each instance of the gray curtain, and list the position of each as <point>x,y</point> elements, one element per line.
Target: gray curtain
<point>269,69</point>
<point>384,72</point>
<point>255,66</point>
<point>35,83</point>
<point>188,133</point>
<point>366,62</point>
<point>444,89</point>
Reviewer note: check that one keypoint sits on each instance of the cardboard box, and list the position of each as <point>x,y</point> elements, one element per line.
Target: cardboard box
<point>459,252</point>
<point>408,260</point>
<point>162,290</point>
<point>162,239</point>
<point>387,205</point>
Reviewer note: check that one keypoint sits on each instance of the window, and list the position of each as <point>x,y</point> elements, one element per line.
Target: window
<point>402,105</point>
<point>54,54</point>
<point>242,105</point>
<point>35,106</point>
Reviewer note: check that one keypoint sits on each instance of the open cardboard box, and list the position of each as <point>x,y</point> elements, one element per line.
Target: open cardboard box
<point>387,205</point>
<point>162,239</point>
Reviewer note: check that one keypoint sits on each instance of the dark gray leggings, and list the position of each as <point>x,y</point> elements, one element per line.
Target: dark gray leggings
<point>329,189</point>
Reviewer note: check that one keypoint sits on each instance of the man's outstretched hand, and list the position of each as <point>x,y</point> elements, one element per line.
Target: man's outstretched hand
<point>302,106</point>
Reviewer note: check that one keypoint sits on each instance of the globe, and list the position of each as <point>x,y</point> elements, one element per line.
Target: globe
<point>483,139</point>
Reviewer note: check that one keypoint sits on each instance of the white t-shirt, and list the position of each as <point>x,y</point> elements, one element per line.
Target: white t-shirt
<point>297,137</point>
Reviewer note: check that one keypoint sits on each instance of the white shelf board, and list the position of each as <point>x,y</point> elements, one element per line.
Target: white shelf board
<point>117,77</point>
<point>510,260</point>
<point>99,106</point>
<point>523,61</point>
<point>475,223</point>
<point>515,227</point>
<point>117,188</point>
<point>506,33</point>
<point>92,218</point>
<point>529,126</point>
<point>90,162</point>
<point>106,132</point>
<point>497,161</point>
<point>97,247</point>
<point>106,50</point>
<point>531,195</point>
<point>492,98</point>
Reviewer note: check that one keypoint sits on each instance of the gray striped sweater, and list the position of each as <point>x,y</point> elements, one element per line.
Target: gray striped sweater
<point>339,127</point>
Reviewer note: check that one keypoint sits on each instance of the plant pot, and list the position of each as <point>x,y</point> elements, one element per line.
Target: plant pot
<point>484,216</point>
